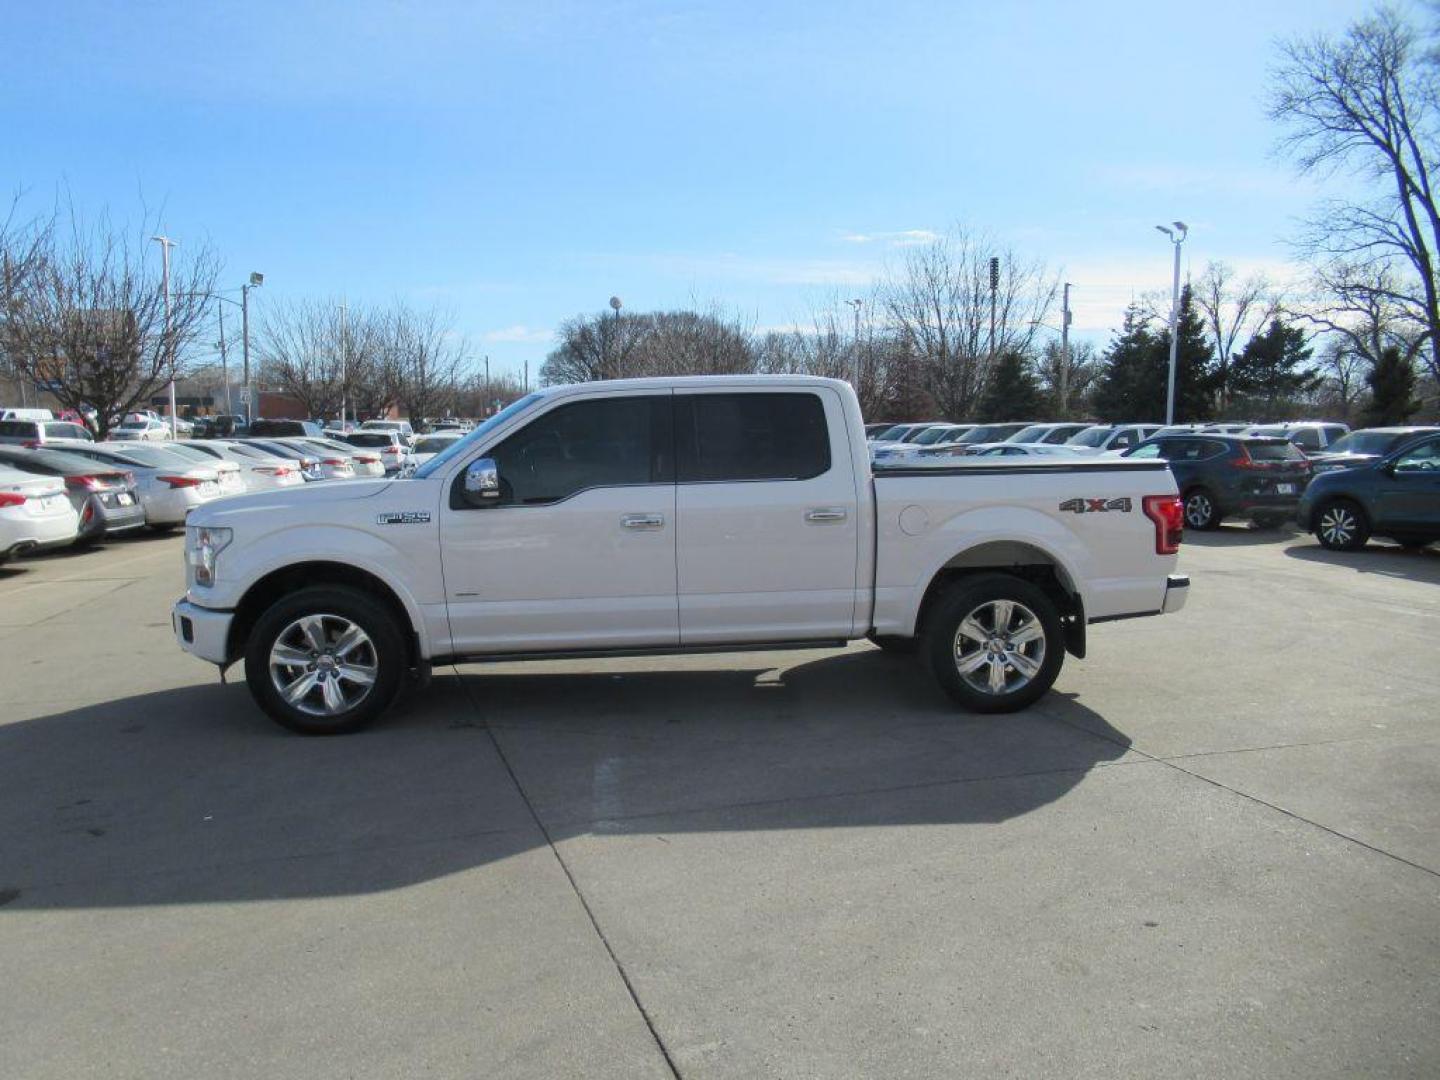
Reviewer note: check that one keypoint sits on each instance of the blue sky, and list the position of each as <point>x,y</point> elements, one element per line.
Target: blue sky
<point>519,163</point>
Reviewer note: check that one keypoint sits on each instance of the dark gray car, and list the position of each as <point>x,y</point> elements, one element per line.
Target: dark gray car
<point>1397,496</point>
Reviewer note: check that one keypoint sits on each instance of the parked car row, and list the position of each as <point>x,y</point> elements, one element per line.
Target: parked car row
<point>60,491</point>
<point>1343,486</point>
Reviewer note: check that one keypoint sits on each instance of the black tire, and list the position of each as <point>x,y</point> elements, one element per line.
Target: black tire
<point>971,598</point>
<point>1340,525</point>
<point>381,657</point>
<point>897,646</point>
<point>1200,510</point>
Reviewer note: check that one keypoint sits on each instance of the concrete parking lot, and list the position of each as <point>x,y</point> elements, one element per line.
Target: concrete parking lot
<point>1213,851</point>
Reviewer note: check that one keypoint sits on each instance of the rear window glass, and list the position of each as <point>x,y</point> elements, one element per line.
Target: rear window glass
<point>21,428</point>
<point>1273,451</point>
<point>432,446</point>
<point>370,441</point>
<point>751,437</point>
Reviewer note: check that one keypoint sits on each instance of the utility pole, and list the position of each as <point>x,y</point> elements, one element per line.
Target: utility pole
<point>1065,354</point>
<point>165,245</point>
<point>855,365</point>
<point>994,287</point>
<point>526,383</point>
<point>224,361</point>
<point>1177,237</point>
<point>489,393</point>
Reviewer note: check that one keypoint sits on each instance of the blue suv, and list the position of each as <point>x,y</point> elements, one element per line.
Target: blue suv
<point>1222,476</point>
<point>1397,496</point>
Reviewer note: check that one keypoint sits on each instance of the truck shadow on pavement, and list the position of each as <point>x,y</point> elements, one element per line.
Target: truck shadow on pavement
<point>191,795</point>
<point>1387,560</point>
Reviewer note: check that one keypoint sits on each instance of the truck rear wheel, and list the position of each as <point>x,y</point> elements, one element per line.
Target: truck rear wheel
<point>325,660</point>
<point>995,643</point>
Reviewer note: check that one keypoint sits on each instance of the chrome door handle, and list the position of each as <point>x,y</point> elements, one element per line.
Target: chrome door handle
<point>822,514</point>
<point>643,521</point>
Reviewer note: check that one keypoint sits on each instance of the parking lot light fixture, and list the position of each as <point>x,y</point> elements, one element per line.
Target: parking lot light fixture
<point>1177,237</point>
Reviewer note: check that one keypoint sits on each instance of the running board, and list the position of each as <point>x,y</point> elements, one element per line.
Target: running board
<point>664,650</point>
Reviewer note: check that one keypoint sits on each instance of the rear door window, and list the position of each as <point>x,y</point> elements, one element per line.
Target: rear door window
<point>1307,439</point>
<point>750,437</point>
<point>21,429</point>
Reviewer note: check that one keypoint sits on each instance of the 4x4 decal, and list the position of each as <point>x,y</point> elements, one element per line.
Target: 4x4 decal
<point>1096,506</point>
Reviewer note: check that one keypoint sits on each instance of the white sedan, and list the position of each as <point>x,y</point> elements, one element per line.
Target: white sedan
<point>142,430</point>
<point>427,446</point>
<point>35,513</point>
<point>169,485</point>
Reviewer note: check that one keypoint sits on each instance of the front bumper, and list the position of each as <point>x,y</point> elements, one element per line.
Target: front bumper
<point>1177,591</point>
<point>202,632</point>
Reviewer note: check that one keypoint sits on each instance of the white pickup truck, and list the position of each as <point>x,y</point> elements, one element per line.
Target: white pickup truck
<point>673,515</point>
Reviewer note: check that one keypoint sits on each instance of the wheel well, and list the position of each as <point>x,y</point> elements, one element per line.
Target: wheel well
<point>288,579</point>
<point>1018,560</point>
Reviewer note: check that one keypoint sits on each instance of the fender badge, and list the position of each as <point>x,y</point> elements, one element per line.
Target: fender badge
<point>1095,506</point>
<point>404,517</point>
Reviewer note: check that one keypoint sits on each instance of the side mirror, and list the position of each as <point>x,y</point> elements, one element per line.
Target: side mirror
<point>482,482</point>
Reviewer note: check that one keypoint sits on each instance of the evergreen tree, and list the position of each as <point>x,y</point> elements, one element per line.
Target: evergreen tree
<point>1125,375</point>
<point>1271,370</point>
<point>1136,374</point>
<point>1392,390</point>
<point>1012,392</point>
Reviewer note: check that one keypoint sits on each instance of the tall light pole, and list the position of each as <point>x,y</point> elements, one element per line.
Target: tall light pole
<point>994,288</point>
<point>256,280</point>
<point>1177,237</point>
<point>855,366</point>
<point>610,371</point>
<point>1065,315</point>
<point>165,245</point>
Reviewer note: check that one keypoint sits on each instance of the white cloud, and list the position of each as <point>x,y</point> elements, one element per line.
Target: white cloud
<point>900,238</point>
<point>519,332</point>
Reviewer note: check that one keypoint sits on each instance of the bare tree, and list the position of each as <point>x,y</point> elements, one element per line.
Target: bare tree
<point>87,320</point>
<point>940,304</point>
<point>1233,311</point>
<point>1082,369</point>
<point>1367,102</point>
<point>427,361</point>
<point>299,349</point>
<point>1342,369</point>
<point>592,347</point>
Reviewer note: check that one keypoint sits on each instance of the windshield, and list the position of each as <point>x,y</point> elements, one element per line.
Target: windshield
<point>152,457</point>
<point>932,435</point>
<point>891,433</point>
<point>1094,436</point>
<point>985,433</point>
<point>461,446</point>
<point>1366,442</point>
<point>370,440</point>
<point>1033,433</point>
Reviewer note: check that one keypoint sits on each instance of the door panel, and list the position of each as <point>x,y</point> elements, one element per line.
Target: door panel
<point>580,552</point>
<point>1410,496</point>
<point>764,559</point>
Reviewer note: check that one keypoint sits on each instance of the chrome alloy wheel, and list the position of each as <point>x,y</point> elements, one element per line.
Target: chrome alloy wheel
<point>1198,510</point>
<point>1338,525</point>
<point>999,647</point>
<point>323,665</point>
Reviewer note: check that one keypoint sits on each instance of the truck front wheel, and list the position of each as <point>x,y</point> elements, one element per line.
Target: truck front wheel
<point>325,660</point>
<point>995,643</point>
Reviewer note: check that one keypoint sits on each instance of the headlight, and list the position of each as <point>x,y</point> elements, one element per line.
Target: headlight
<point>203,545</point>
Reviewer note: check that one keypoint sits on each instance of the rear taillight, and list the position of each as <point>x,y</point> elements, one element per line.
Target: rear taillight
<point>366,459</point>
<point>180,481</point>
<point>1168,514</point>
<point>83,483</point>
<point>273,470</point>
<point>332,461</point>
<point>11,498</point>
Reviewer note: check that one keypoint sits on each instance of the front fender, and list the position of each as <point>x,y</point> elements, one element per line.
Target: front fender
<point>410,569</point>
